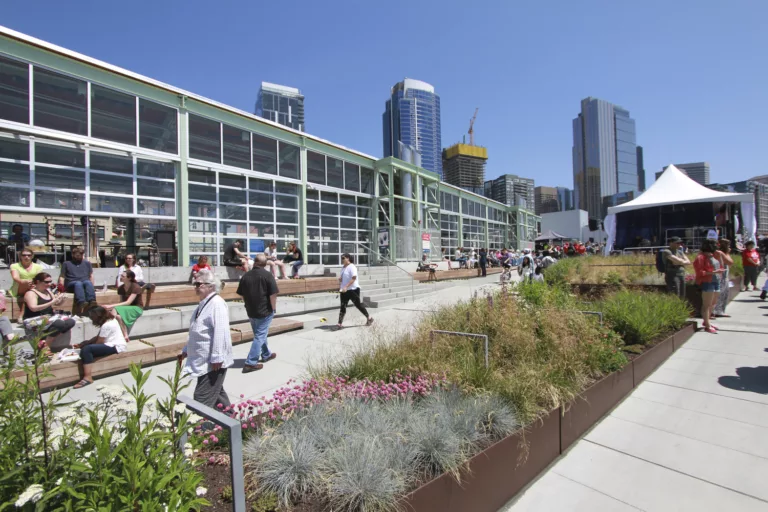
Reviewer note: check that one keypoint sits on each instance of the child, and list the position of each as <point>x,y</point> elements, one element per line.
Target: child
<point>538,277</point>
<point>750,259</point>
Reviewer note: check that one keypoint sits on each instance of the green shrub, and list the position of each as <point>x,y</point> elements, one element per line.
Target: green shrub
<point>737,269</point>
<point>641,317</point>
<point>118,453</point>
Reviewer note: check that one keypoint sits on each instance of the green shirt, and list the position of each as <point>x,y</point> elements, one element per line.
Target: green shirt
<point>24,275</point>
<point>673,269</point>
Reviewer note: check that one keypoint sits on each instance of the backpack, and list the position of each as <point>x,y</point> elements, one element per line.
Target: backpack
<point>661,266</point>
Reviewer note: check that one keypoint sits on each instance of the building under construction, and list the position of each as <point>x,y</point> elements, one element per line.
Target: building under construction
<point>464,166</point>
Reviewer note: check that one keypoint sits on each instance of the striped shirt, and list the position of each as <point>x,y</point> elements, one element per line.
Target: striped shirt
<point>209,337</point>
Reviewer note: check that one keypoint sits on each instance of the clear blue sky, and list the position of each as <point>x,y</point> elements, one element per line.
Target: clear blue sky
<point>693,74</point>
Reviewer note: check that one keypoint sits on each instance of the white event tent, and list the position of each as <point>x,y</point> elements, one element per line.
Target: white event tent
<point>674,187</point>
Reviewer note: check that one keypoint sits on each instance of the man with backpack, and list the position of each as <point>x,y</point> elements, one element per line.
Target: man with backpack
<point>671,262</point>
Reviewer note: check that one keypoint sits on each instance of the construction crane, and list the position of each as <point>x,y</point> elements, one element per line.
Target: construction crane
<point>472,129</point>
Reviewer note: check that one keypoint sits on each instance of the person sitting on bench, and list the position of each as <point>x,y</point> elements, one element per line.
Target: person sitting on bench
<point>295,259</point>
<point>110,340</point>
<point>461,259</point>
<point>234,258</point>
<point>425,266</point>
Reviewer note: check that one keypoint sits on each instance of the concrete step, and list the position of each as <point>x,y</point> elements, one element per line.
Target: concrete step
<point>387,302</point>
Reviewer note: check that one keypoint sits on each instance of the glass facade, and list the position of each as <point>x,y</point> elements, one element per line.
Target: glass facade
<point>412,118</point>
<point>604,155</point>
<point>75,142</point>
<point>284,105</point>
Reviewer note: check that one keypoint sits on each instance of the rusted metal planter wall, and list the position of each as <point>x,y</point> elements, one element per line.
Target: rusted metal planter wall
<point>497,474</point>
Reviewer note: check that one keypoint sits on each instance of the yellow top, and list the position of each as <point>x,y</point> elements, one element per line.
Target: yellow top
<point>466,150</point>
<point>24,274</point>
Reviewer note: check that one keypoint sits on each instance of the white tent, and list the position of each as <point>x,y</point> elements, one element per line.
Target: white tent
<point>674,187</point>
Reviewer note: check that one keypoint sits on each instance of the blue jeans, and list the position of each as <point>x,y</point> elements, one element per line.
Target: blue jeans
<point>296,266</point>
<point>83,291</point>
<point>259,346</point>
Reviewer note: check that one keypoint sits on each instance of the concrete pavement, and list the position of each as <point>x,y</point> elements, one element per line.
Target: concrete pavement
<point>692,437</point>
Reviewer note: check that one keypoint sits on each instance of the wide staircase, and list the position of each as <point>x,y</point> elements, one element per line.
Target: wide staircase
<point>388,285</point>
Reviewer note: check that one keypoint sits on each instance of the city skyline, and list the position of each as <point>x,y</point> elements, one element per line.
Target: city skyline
<point>541,44</point>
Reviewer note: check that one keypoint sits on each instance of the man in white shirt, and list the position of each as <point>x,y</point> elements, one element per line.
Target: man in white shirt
<point>350,290</point>
<point>210,344</point>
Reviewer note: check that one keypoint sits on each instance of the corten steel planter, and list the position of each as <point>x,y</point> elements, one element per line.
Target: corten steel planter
<point>495,475</point>
<point>594,403</point>
<point>648,361</point>
<point>684,334</point>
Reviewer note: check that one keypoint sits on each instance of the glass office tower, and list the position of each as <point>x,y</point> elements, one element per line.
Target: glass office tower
<point>412,118</point>
<point>284,105</point>
<point>604,155</point>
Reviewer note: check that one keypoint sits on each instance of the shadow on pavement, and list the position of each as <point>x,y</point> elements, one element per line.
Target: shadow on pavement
<point>754,380</point>
<point>747,300</point>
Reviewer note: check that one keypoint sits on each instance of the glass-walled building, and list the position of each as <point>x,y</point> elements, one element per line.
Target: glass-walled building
<point>83,143</point>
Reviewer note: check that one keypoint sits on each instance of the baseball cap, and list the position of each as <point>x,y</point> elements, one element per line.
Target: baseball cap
<point>674,240</point>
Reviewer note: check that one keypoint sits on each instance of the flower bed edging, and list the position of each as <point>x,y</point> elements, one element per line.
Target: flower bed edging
<point>498,473</point>
<point>594,403</point>
<point>494,475</point>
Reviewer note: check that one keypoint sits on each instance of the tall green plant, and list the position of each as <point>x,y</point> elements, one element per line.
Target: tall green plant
<point>640,317</point>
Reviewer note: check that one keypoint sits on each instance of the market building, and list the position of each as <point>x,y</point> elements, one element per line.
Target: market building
<point>92,153</point>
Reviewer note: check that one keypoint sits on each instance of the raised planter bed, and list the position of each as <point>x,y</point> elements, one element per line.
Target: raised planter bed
<point>497,474</point>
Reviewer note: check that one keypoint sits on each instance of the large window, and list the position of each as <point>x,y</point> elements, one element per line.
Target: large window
<point>14,90</point>
<point>315,168</point>
<point>157,127</point>
<point>337,223</point>
<point>289,161</point>
<point>237,147</point>
<point>113,115</point>
<point>264,154</point>
<point>449,233</point>
<point>60,102</point>
<point>204,139</point>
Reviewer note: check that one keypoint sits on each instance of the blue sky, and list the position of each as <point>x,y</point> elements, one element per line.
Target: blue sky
<point>693,73</point>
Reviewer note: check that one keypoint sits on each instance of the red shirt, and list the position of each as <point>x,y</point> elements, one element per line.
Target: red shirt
<point>750,258</point>
<point>198,268</point>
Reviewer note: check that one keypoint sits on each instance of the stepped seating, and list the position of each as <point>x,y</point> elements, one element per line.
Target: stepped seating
<point>147,351</point>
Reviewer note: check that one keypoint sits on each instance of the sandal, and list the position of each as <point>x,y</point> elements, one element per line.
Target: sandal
<point>82,384</point>
<point>710,330</point>
<point>339,327</point>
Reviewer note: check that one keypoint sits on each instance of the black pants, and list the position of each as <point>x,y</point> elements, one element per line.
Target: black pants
<point>210,389</point>
<point>483,264</point>
<point>89,352</point>
<point>354,296</point>
<point>751,274</point>
<point>675,285</point>
<point>59,327</point>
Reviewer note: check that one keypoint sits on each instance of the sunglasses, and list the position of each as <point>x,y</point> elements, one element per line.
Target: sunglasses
<point>198,285</point>
<point>26,255</point>
<point>48,282</point>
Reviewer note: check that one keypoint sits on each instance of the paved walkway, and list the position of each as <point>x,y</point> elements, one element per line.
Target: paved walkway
<point>298,350</point>
<point>692,437</point>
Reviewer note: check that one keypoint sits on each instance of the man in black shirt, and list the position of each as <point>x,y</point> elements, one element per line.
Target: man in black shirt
<point>259,292</point>
<point>234,258</point>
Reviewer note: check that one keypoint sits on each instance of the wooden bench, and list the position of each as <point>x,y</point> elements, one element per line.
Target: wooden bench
<point>442,275</point>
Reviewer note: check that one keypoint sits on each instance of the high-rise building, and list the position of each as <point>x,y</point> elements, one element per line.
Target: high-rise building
<point>698,171</point>
<point>511,190</point>
<point>546,200</point>
<point>640,170</point>
<point>464,166</point>
<point>412,117</point>
<point>604,155</point>
<point>565,198</point>
<point>284,105</point>
<point>757,186</point>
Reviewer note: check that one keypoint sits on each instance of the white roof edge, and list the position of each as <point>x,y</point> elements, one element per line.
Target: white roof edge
<point>411,83</point>
<point>280,88</point>
<point>731,198</point>
<point>141,78</point>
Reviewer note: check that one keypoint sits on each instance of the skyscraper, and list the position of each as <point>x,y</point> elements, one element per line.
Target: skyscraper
<point>640,169</point>
<point>546,199</point>
<point>412,117</point>
<point>698,171</point>
<point>464,166</point>
<point>284,105</point>
<point>604,155</point>
<point>511,190</point>
<point>565,198</point>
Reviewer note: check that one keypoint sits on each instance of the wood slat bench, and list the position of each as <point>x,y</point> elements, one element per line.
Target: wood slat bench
<point>441,275</point>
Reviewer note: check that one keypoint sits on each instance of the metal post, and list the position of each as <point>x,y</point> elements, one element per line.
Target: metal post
<point>462,334</point>
<point>235,446</point>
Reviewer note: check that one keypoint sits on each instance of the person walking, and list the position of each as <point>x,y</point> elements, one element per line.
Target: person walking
<point>724,255</point>
<point>674,261</point>
<point>208,351</point>
<point>483,261</point>
<point>259,292</point>
<point>77,277</point>
<point>708,272</point>
<point>350,290</point>
<point>750,259</point>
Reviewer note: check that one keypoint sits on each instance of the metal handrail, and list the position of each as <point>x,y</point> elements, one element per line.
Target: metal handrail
<point>413,295</point>
<point>235,446</point>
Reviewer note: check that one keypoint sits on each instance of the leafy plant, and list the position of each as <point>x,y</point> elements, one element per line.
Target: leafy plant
<point>120,453</point>
<point>264,503</point>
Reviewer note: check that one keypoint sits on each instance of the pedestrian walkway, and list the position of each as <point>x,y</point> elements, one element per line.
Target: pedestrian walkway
<point>692,437</point>
<point>297,351</point>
